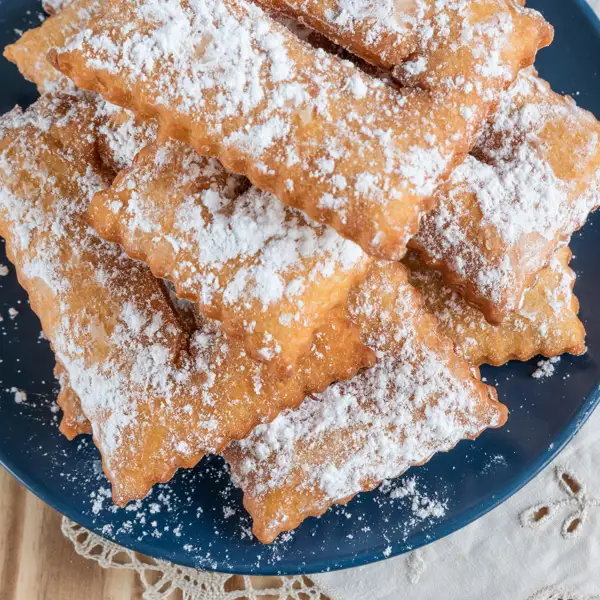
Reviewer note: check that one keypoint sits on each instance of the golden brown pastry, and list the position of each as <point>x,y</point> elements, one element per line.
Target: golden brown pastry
<point>532,180</point>
<point>269,275</point>
<point>157,397</point>
<point>315,131</point>
<point>30,51</point>
<point>546,323</point>
<point>420,398</point>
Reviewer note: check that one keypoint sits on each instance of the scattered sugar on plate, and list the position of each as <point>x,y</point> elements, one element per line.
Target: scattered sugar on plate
<point>98,498</point>
<point>494,463</point>
<point>20,395</point>
<point>546,368</point>
<point>13,313</point>
<point>422,506</point>
<point>3,270</point>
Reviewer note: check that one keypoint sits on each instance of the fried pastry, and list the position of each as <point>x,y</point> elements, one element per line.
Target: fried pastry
<point>73,422</point>
<point>420,398</point>
<point>382,32</point>
<point>419,36</point>
<point>121,135</point>
<point>532,181</point>
<point>471,50</point>
<point>315,131</point>
<point>270,276</point>
<point>545,324</point>
<point>30,51</point>
<point>157,398</point>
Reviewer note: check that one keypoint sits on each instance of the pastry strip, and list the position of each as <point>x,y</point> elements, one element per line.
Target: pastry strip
<point>534,182</point>
<point>244,258</point>
<point>121,135</point>
<point>545,324</point>
<point>382,32</point>
<point>428,40</point>
<point>30,50</point>
<point>419,399</point>
<point>315,131</point>
<point>157,397</point>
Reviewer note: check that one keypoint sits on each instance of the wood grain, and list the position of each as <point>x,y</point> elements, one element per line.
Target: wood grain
<point>38,563</point>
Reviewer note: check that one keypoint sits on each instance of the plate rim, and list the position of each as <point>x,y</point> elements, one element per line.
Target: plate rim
<point>367,556</point>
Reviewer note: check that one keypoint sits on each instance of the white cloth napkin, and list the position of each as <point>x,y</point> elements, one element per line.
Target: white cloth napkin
<point>508,554</point>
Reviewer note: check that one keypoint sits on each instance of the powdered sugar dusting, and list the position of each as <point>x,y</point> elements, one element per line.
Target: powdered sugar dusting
<point>241,87</point>
<point>19,395</point>
<point>546,368</point>
<point>422,505</point>
<point>416,401</point>
<point>239,253</point>
<point>506,214</point>
<point>121,135</point>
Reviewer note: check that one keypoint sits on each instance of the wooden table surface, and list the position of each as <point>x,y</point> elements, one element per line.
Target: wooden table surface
<point>38,563</point>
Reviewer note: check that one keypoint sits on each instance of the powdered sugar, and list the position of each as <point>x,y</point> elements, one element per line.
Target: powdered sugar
<point>416,401</point>
<point>546,368</point>
<point>422,506</point>
<point>122,135</point>
<point>241,255</point>
<point>241,87</point>
<point>506,214</point>
<point>19,395</point>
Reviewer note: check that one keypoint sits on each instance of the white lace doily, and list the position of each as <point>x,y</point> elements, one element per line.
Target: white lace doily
<point>163,580</point>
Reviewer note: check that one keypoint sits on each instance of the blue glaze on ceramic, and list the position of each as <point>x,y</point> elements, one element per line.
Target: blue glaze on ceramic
<point>472,479</point>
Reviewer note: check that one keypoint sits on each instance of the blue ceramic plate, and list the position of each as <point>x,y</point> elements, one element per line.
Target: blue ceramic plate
<point>198,519</point>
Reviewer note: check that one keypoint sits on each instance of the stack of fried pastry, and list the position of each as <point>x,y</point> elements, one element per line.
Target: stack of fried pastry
<point>210,207</point>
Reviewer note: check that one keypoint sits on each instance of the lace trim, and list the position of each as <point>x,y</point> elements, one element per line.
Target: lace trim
<point>576,500</point>
<point>559,593</point>
<point>162,580</point>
